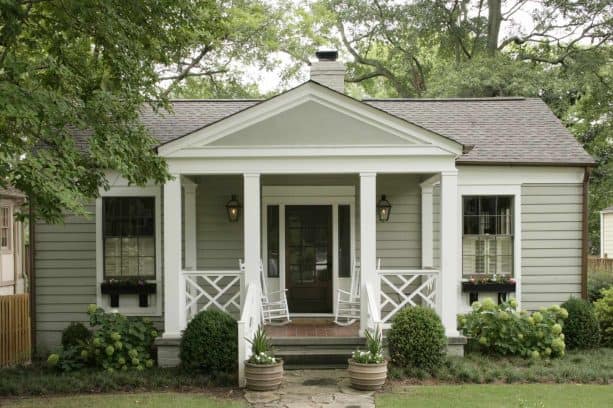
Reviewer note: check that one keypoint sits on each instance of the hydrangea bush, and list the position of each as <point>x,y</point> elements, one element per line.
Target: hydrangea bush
<point>118,343</point>
<point>504,330</point>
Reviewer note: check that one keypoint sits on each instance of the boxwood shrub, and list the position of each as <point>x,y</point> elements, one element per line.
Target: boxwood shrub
<point>503,330</point>
<point>75,334</point>
<point>210,343</point>
<point>417,339</point>
<point>581,329</point>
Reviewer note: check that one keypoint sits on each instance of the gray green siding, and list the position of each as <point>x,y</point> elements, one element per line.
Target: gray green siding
<point>551,243</point>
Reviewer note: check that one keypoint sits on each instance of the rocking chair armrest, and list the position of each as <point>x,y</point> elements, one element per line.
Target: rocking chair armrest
<point>343,291</point>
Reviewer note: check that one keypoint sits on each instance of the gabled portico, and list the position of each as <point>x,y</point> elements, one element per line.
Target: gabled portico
<point>289,141</point>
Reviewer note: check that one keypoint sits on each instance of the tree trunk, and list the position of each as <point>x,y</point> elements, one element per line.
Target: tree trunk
<point>493,25</point>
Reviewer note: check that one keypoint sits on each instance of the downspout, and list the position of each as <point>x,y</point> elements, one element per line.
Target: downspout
<point>32,280</point>
<point>584,231</point>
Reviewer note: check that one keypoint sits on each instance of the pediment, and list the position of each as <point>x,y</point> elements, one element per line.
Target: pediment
<point>308,116</point>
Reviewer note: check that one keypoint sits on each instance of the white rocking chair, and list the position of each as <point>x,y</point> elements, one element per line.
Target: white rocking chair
<point>275,310</point>
<point>348,302</point>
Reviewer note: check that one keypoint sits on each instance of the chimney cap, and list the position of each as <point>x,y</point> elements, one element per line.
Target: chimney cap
<point>327,55</point>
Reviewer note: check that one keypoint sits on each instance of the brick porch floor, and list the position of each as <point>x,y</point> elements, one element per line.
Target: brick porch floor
<point>313,328</point>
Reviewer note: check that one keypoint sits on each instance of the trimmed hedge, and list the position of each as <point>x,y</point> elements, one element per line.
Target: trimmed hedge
<point>604,312</point>
<point>581,329</point>
<point>417,339</point>
<point>210,343</point>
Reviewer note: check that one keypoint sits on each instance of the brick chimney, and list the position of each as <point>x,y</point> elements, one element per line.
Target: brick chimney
<point>328,71</point>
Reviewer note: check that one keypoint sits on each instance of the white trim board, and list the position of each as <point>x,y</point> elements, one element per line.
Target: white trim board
<point>308,195</point>
<point>131,191</point>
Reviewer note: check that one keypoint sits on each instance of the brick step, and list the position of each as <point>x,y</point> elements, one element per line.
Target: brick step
<point>315,352</point>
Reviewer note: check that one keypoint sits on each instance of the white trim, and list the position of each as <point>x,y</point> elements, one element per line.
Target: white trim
<point>449,289</point>
<point>602,213</point>
<point>508,190</point>
<point>368,247</point>
<point>312,165</point>
<point>310,92</point>
<point>307,195</point>
<point>8,250</point>
<point>125,191</point>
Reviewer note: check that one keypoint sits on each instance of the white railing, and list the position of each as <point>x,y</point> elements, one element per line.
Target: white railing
<point>212,290</point>
<point>406,287</point>
<point>250,320</point>
<point>373,322</point>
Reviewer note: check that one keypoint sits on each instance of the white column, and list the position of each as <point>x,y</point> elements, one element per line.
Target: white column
<point>251,205</point>
<point>449,282</point>
<point>189,211</point>
<point>368,244</point>
<point>427,226</point>
<point>174,290</point>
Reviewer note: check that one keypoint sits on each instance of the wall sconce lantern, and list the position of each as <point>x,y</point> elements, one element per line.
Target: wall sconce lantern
<point>383,209</point>
<point>234,209</point>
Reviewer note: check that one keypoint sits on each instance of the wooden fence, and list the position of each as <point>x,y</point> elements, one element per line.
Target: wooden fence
<point>602,265</point>
<point>15,337</point>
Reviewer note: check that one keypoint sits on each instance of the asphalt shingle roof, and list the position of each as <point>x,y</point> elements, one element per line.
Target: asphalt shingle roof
<point>499,130</point>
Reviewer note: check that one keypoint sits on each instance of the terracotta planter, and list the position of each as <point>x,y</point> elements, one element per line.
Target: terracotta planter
<point>264,377</point>
<point>367,377</point>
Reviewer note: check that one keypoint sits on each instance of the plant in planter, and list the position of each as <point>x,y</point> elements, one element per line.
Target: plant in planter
<point>368,369</point>
<point>263,371</point>
<point>128,286</point>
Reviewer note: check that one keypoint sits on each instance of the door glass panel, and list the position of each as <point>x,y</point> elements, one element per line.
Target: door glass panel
<point>344,241</point>
<point>272,230</point>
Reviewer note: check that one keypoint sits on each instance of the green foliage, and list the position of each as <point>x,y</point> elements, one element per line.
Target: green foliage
<point>36,380</point>
<point>75,334</point>
<point>581,328</point>
<point>261,350</point>
<point>596,282</point>
<point>503,330</point>
<point>374,349</point>
<point>210,343</point>
<point>118,343</point>
<point>604,312</point>
<point>417,339</point>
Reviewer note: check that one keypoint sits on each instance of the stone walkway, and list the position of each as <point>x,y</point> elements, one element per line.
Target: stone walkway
<point>313,389</point>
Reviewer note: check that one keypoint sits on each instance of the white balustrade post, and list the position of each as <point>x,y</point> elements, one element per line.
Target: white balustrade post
<point>251,204</point>
<point>174,308</point>
<point>368,245</point>
<point>190,239</point>
<point>449,278</point>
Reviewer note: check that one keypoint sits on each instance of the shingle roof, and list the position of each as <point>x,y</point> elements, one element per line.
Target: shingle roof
<point>499,130</point>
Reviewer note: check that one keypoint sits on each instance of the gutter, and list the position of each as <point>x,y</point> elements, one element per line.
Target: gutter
<point>32,282</point>
<point>585,232</point>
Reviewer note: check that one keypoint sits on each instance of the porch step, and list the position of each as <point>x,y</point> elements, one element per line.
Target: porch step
<point>315,352</point>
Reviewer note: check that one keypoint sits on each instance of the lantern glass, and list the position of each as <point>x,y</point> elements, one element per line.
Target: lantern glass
<point>383,209</point>
<point>233,207</point>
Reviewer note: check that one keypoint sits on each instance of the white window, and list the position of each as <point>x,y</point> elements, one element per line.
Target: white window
<point>487,243</point>
<point>5,227</point>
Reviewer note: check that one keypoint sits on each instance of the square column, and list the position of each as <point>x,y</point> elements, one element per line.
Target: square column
<point>449,281</point>
<point>252,226</point>
<point>368,245</point>
<point>174,286</point>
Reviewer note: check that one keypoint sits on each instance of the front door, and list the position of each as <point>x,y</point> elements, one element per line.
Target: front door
<point>308,249</point>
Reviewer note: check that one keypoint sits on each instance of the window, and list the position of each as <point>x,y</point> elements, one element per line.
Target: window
<point>129,237</point>
<point>272,229</point>
<point>487,244</point>
<point>344,242</point>
<point>5,227</point>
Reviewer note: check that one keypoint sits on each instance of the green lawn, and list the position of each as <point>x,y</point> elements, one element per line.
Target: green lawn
<point>150,400</point>
<point>516,396</point>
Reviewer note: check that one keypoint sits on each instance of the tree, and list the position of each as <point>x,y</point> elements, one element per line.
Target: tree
<point>69,66</point>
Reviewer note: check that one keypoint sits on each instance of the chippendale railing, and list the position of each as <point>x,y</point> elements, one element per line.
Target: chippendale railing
<point>406,287</point>
<point>212,290</point>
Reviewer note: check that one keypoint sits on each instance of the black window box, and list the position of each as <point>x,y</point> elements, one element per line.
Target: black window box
<point>125,288</point>
<point>488,287</point>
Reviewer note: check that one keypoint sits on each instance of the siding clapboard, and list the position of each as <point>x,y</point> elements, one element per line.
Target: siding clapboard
<point>551,243</point>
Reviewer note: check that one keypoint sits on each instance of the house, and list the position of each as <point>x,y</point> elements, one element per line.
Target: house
<point>444,192</point>
<point>606,232</point>
<point>13,256</point>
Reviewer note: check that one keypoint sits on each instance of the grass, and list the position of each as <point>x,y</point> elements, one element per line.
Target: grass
<point>475,396</point>
<point>39,381</point>
<point>127,400</point>
<point>587,367</point>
